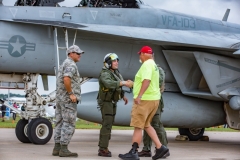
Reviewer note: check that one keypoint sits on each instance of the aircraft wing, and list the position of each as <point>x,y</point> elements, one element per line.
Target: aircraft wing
<point>186,38</point>
<point>167,36</point>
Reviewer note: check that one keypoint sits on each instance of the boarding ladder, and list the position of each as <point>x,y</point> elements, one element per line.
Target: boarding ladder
<point>58,48</point>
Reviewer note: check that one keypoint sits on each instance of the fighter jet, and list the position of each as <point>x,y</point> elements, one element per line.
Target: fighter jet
<point>199,55</point>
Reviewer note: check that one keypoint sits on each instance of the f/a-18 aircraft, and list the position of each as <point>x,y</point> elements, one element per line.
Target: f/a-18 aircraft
<point>199,55</point>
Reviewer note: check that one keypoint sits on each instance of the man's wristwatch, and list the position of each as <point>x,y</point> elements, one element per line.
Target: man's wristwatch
<point>139,97</point>
<point>123,83</point>
<point>70,93</point>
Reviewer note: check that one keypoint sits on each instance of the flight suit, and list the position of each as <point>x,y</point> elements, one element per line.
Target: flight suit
<point>109,93</point>
<point>156,121</point>
<point>66,111</point>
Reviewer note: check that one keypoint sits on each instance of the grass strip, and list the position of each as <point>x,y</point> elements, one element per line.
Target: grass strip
<point>82,124</point>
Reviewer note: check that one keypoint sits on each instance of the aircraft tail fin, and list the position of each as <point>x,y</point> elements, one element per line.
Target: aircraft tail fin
<point>225,17</point>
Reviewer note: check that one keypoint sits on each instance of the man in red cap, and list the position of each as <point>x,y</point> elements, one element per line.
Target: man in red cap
<point>146,94</point>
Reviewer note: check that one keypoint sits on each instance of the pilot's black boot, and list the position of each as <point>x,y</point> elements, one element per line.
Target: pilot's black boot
<point>161,152</point>
<point>104,153</point>
<point>132,154</point>
<point>144,153</point>
<point>64,152</point>
<point>56,149</point>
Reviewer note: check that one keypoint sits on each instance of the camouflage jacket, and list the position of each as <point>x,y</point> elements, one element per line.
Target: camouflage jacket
<point>68,68</point>
<point>109,89</point>
<point>161,84</point>
<point>161,77</point>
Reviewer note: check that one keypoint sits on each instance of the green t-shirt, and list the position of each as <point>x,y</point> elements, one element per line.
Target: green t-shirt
<point>149,71</point>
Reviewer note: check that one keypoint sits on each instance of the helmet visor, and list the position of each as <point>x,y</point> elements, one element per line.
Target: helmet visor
<point>114,57</point>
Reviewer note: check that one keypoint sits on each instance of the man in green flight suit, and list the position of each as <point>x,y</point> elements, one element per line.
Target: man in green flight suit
<point>156,123</point>
<point>110,91</point>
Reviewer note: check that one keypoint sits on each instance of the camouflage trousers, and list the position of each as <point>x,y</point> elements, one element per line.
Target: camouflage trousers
<point>158,126</point>
<point>65,115</point>
<point>108,110</point>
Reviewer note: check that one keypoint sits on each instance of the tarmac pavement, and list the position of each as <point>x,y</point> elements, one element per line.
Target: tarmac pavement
<point>221,146</point>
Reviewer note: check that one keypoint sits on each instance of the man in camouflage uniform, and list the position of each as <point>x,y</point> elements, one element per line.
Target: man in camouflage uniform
<point>156,123</point>
<point>67,97</point>
<point>110,91</point>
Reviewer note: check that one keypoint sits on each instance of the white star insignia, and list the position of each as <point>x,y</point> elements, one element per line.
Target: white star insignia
<point>17,46</point>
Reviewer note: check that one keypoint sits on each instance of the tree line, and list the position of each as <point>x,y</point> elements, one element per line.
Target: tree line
<point>5,96</point>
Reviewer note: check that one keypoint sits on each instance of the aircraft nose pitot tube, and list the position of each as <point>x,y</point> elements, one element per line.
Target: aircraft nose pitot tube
<point>234,103</point>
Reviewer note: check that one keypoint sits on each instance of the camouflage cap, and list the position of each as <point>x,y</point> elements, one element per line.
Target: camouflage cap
<point>74,48</point>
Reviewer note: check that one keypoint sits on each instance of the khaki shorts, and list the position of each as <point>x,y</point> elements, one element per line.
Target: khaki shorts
<point>143,113</point>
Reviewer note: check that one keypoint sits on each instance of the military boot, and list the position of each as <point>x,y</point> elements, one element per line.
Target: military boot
<point>64,152</point>
<point>144,153</point>
<point>104,153</point>
<point>56,149</point>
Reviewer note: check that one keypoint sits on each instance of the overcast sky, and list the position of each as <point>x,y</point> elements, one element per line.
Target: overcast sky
<point>214,9</point>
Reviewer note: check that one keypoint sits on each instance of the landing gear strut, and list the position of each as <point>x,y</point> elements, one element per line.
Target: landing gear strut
<point>32,127</point>
<point>39,130</point>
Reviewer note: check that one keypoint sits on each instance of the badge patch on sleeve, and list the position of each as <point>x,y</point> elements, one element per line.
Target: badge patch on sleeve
<point>68,70</point>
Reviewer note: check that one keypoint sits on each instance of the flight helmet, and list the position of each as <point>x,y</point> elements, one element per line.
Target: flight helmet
<point>109,58</point>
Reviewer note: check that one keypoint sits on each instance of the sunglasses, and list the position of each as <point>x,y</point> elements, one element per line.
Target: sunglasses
<point>145,53</point>
<point>77,53</point>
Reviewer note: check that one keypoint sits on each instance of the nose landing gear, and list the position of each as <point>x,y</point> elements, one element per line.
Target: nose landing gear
<point>39,131</point>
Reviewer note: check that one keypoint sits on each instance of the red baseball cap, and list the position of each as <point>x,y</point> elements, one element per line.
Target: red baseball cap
<point>146,49</point>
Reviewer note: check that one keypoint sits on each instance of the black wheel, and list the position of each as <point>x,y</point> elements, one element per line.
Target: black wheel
<point>194,134</point>
<point>39,131</point>
<point>21,131</point>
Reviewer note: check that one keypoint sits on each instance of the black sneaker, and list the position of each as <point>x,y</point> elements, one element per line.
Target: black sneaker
<point>166,155</point>
<point>131,155</point>
<point>160,153</point>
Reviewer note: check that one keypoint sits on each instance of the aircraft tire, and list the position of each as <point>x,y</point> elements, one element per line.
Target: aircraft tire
<point>40,131</point>
<point>21,131</point>
<point>194,134</point>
